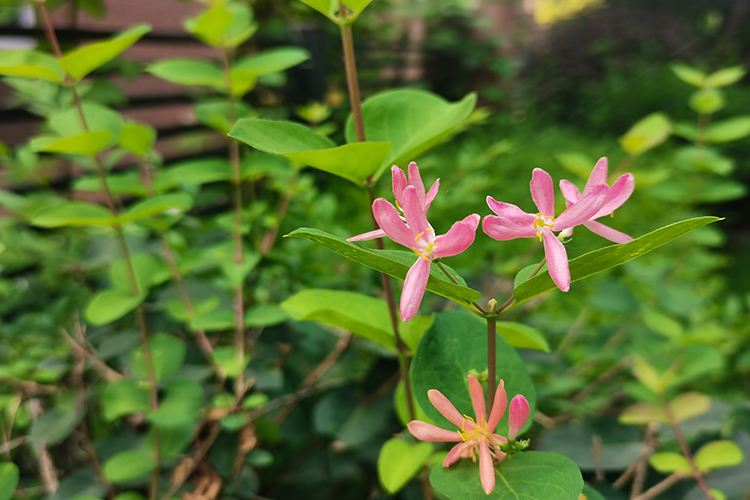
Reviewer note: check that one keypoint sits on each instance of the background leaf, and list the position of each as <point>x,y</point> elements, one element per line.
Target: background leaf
<point>82,61</point>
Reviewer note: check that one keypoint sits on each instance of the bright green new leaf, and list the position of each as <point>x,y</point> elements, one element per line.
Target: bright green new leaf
<point>728,130</point>
<point>688,74</point>
<point>384,262</point>
<point>242,26</point>
<point>216,113</point>
<point>149,272</point>
<point>611,256</point>
<point>707,101</point>
<point>125,397</point>
<point>354,162</point>
<point>226,358</point>
<point>360,314</point>
<point>530,475</point>
<point>87,143</point>
<point>402,408</point>
<point>400,461</point>
<point>667,463</point>
<point>357,6</point>
<point>522,336</point>
<point>171,204</point>
<point>9,476</point>
<point>30,64</point>
<point>72,214</point>
<point>111,305</point>
<point>724,77</point>
<point>82,61</point>
<point>128,465</point>
<point>326,7</point>
<point>181,406</point>
<point>647,375</point>
<point>646,134</point>
<point>209,25</point>
<point>717,455</point>
<point>192,172</point>
<point>138,138</point>
<point>167,356</point>
<point>188,72</point>
<point>662,324</point>
<point>265,315</point>
<point>689,405</point>
<point>413,121</point>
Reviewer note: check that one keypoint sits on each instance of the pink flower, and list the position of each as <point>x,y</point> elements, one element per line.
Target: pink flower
<point>511,222</point>
<point>476,437</point>
<point>619,193</point>
<point>415,232</point>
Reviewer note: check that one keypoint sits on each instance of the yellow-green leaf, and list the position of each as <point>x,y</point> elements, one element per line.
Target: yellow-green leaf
<point>82,61</point>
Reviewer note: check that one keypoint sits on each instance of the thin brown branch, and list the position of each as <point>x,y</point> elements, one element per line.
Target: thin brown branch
<point>13,444</point>
<point>663,486</point>
<point>107,373</point>
<point>182,472</point>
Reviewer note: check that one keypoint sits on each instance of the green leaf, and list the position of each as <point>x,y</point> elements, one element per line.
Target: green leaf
<point>31,64</point>
<point>413,121</point>
<point>578,163</point>
<point>357,6</point>
<point>173,441</point>
<point>402,407</point>
<point>128,465</point>
<point>125,397</point>
<point>385,262</point>
<point>126,183</point>
<point>165,203</point>
<point>704,160</point>
<point>188,72</point>
<point>688,74</point>
<point>111,305</point>
<point>227,359</point>
<point>149,272</point>
<point>53,426</point>
<point>647,375</point>
<point>354,162</point>
<point>193,172</point>
<point>667,463</point>
<point>717,455</point>
<point>82,61</point>
<point>454,346</point>
<point>326,7</point>
<point>138,138</point>
<point>589,492</point>
<point>246,71</point>
<point>99,118</point>
<point>400,461</point>
<point>642,414</point>
<point>72,214</point>
<point>522,336</point>
<point>646,134</point>
<point>707,101</point>
<point>167,356</point>
<point>611,256</point>
<point>530,475</point>
<point>724,77</point>
<point>209,25</point>
<point>9,476</point>
<point>265,315</point>
<point>662,324</point>
<point>181,406</point>
<point>87,144</point>
<point>728,130</point>
<point>689,405</point>
<point>214,321</point>
<point>717,192</point>
<point>360,314</point>
<point>216,113</point>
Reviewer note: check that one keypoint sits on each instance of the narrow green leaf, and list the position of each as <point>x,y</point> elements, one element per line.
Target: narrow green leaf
<point>165,203</point>
<point>9,476</point>
<point>138,138</point>
<point>724,77</point>
<point>400,461</point>
<point>87,143</point>
<point>125,183</point>
<point>214,321</point>
<point>188,72</point>
<point>99,118</point>
<point>667,463</point>
<point>149,272</point>
<point>111,305</point>
<point>717,455</point>
<point>167,356</point>
<point>128,466</point>
<point>72,214</point>
<point>31,64</point>
<point>325,7</point>
<point>82,61</point>
<point>209,25</point>
<point>728,130</point>
<point>193,172</point>
<point>265,315</point>
<point>611,256</point>
<point>646,134</point>
<point>688,74</point>
<point>270,61</point>
<point>522,336</point>
<point>385,263</point>
<point>125,397</point>
<point>53,426</point>
<point>578,163</point>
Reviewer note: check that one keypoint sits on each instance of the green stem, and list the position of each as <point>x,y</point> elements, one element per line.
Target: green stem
<point>512,298</point>
<point>352,81</point>
<point>479,308</point>
<point>491,360</point>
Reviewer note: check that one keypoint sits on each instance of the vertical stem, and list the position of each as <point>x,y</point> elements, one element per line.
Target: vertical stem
<point>352,81</point>
<point>491,359</point>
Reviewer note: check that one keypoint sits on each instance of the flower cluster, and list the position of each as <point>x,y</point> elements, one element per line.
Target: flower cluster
<point>477,437</point>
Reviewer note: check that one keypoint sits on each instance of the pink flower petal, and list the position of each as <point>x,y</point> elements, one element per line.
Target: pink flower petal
<point>597,176</point>
<point>570,192</point>
<point>428,432</point>
<point>399,182</point>
<point>518,415</point>
<point>461,450</point>
<point>584,210</point>
<point>477,399</point>
<point>389,221</point>
<point>498,406</point>
<point>414,211</point>
<point>510,223</point>
<point>557,260</point>
<point>378,233</point>
<point>607,232</point>
<point>445,407</point>
<point>414,287</point>
<point>458,238</point>
<point>415,179</point>
<point>543,192</point>
<point>486,468</point>
<point>618,194</point>
<point>431,194</point>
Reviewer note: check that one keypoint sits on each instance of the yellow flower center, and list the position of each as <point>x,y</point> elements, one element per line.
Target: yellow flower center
<point>425,246</point>
<point>543,221</point>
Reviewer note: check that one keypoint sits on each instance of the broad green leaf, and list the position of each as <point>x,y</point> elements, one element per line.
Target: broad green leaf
<point>9,476</point>
<point>111,305</point>
<point>162,204</point>
<point>173,441</point>
<point>689,405</point>
<point>242,26</point>
<point>662,324</point>
<point>270,61</point>
<point>138,138</point>
<point>193,172</point>
<point>87,143</point>
<point>188,72</point>
<point>646,134</point>
<point>326,7</point>
<point>413,330</point>
<point>227,359</point>
<point>149,272</point>
<point>126,183</point>
<point>99,118</point>
<point>214,321</point>
<point>717,192</point>
<point>530,475</point>
<point>128,465</point>
<point>53,426</point>
<point>82,61</point>
<point>355,162</point>
<point>402,408</point>
<point>360,314</point>
<point>522,336</point>
<point>357,6</point>
<point>384,262</point>
<point>611,256</point>
<point>72,214</point>
<point>728,130</point>
<point>704,159</point>
<point>400,461</point>
<point>30,64</point>
<point>167,356</point>
<point>454,346</point>
<point>717,455</point>
<point>707,101</point>
<point>216,113</point>
<point>209,25</point>
<point>125,397</point>
<point>181,406</point>
<point>724,77</point>
<point>667,463</point>
<point>413,121</point>
<point>688,74</point>
<point>578,163</point>
<point>647,375</point>
<point>265,315</point>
